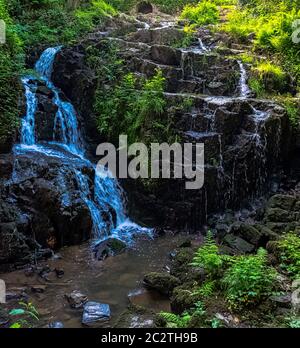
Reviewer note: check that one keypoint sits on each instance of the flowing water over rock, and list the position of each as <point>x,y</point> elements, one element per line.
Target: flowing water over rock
<point>106,196</point>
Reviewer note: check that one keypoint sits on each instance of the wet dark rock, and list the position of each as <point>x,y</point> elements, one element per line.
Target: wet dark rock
<point>238,244</point>
<point>184,298</point>
<point>16,294</point>
<point>56,325</point>
<point>164,283</point>
<point>144,7</point>
<point>6,166</point>
<point>94,312</point>
<point>39,289</point>
<point>29,271</point>
<point>165,55</point>
<point>59,272</point>
<point>76,299</point>
<point>278,215</point>
<point>285,202</point>
<point>186,244</point>
<point>284,301</point>
<point>136,317</point>
<point>4,318</point>
<point>109,247</point>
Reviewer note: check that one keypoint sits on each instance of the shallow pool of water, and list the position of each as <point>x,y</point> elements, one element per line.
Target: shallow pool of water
<point>108,281</point>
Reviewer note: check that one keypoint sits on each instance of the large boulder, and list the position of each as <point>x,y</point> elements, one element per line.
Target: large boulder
<point>109,247</point>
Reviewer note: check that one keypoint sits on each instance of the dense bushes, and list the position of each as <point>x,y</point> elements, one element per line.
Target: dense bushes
<point>11,59</point>
<point>271,24</point>
<point>31,23</point>
<point>52,22</point>
<point>249,280</point>
<point>289,247</point>
<point>205,12</point>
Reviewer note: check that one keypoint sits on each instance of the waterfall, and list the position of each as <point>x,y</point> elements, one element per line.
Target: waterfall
<point>203,48</point>
<point>68,147</point>
<point>244,88</point>
<point>28,122</point>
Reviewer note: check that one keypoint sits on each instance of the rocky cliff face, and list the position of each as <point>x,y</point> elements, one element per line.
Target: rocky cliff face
<point>245,139</point>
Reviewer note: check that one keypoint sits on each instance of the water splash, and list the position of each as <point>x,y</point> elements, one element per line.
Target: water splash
<point>104,201</point>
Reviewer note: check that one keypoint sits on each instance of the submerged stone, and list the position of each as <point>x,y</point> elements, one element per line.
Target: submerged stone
<point>76,299</point>
<point>56,325</point>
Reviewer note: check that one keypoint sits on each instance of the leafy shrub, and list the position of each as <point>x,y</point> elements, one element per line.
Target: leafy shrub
<point>289,246</point>
<point>25,314</point>
<point>186,319</point>
<point>270,23</point>
<point>257,86</point>
<point>206,290</point>
<point>271,76</point>
<point>176,321</point>
<point>208,257</point>
<point>137,110</point>
<point>294,323</point>
<point>293,110</point>
<point>205,12</point>
<point>249,280</point>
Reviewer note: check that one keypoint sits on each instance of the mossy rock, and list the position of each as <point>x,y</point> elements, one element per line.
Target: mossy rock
<point>164,283</point>
<point>184,298</point>
<point>182,269</point>
<point>285,202</point>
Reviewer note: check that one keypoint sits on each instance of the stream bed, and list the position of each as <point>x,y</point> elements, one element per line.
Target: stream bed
<point>109,281</point>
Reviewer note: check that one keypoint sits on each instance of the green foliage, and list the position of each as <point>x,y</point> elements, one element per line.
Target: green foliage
<point>208,257</point>
<point>176,321</point>
<point>289,246</point>
<point>134,108</point>
<point>249,280</point>
<point>11,62</point>
<point>271,24</point>
<point>204,13</point>
<point>122,5</point>
<point>257,86</point>
<point>206,290</point>
<point>216,323</point>
<point>184,320</point>
<point>25,315</point>
<point>187,40</point>
<point>293,110</point>
<point>270,76</point>
<point>294,323</point>
<point>51,22</point>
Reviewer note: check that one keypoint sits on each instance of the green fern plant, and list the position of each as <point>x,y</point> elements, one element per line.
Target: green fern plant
<point>208,257</point>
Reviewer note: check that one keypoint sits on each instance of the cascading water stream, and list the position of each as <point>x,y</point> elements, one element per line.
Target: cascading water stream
<point>245,91</point>
<point>106,194</point>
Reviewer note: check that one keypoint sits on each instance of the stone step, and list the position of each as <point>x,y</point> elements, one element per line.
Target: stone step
<point>149,68</point>
<point>161,36</point>
<point>212,144</point>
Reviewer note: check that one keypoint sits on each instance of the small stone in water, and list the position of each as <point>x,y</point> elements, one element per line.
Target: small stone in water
<point>56,325</point>
<point>94,312</point>
<point>76,299</point>
<point>38,288</point>
<point>59,272</point>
